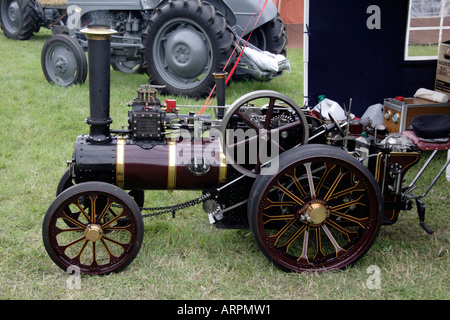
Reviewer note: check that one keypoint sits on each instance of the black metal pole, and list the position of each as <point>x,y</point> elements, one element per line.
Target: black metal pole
<point>99,44</point>
<point>220,90</point>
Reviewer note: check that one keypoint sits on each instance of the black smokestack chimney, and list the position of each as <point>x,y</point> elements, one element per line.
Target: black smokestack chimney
<point>220,89</point>
<point>99,44</point>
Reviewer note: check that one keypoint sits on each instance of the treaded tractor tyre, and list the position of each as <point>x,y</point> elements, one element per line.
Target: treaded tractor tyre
<point>185,42</point>
<point>18,19</point>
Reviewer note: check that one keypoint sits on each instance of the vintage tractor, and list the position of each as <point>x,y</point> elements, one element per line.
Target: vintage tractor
<point>312,198</point>
<point>178,43</point>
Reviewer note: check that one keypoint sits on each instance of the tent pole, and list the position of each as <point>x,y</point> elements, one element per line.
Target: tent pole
<point>305,51</point>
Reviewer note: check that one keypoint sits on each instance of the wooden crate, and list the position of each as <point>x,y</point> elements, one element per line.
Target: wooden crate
<point>397,115</point>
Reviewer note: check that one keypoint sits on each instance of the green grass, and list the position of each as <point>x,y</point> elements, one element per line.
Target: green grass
<point>182,258</point>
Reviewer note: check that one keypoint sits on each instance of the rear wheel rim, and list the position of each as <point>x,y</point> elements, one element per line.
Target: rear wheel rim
<point>12,15</point>
<point>326,229</point>
<point>183,53</point>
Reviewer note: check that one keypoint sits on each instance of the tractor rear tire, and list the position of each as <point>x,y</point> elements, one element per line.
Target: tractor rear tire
<point>185,43</point>
<point>18,19</point>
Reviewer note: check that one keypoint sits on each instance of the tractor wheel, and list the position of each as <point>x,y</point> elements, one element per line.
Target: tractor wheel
<point>186,41</point>
<point>276,36</point>
<point>320,212</point>
<point>64,61</point>
<point>103,234</point>
<point>18,19</point>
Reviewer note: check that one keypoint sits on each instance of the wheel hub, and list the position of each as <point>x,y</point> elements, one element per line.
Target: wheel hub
<point>186,52</point>
<point>61,64</point>
<point>314,213</point>
<point>14,13</point>
<point>93,232</point>
<point>182,53</point>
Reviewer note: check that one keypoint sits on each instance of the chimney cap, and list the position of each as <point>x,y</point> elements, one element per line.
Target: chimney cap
<point>98,32</point>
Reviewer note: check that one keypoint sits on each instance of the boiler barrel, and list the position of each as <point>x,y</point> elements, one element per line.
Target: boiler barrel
<point>168,165</point>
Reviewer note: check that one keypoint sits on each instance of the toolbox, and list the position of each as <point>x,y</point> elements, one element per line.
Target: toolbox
<point>397,114</point>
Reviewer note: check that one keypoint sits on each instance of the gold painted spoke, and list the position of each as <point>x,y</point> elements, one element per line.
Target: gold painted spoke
<point>73,221</point>
<point>110,254</point>
<point>82,210</point>
<point>332,240</point>
<point>324,176</point>
<point>334,185</point>
<point>119,228</point>
<point>74,229</point>
<point>356,188</point>
<point>123,245</point>
<point>282,231</point>
<point>105,210</point>
<point>350,234</point>
<point>361,221</point>
<point>348,204</point>
<point>108,223</point>
<point>93,210</point>
<point>297,183</point>
<point>319,253</point>
<point>290,194</point>
<point>67,246</point>
<point>285,246</point>
<point>310,179</point>
<point>279,204</point>
<point>78,256</point>
<point>278,217</point>
<point>304,256</point>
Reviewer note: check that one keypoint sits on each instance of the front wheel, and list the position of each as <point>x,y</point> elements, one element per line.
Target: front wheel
<point>64,61</point>
<point>320,212</point>
<point>95,227</point>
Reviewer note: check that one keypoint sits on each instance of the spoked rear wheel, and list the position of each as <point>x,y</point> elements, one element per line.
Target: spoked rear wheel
<point>320,212</point>
<point>94,226</point>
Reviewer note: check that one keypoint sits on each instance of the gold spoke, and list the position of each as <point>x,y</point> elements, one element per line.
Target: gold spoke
<point>342,229</point>
<point>333,240</point>
<point>279,204</point>
<point>93,200</point>
<point>319,252</point>
<point>106,209</point>
<point>108,223</point>
<point>324,176</point>
<point>78,256</point>
<point>278,217</point>
<point>304,255</point>
<point>334,185</point>
<point>73,221</point>
<point>282,231</point>
<point>297,183</point>
<point>355,188</point>
<point>310,179</point>
<point>82,210</point>
<point>110,254</point>
<point>294,237</point>
<point>290,194</point>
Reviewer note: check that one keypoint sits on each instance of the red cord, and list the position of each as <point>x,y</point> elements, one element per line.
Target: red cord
<point>208,102</point>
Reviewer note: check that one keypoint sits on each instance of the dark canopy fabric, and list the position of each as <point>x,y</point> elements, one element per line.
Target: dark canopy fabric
<point>349,60</point>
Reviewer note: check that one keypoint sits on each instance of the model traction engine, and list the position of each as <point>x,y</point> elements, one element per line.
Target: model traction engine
<point>262,163</point>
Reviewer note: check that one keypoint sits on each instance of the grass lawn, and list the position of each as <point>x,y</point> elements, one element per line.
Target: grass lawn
<point>182,258</point>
